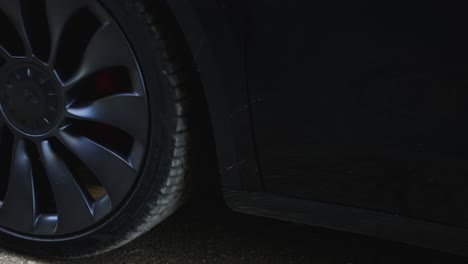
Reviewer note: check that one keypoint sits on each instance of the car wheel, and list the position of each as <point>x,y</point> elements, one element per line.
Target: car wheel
<point>93,126</point>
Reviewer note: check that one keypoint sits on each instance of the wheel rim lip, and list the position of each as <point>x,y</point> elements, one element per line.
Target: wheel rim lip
<point>135,72</point>
<point>52,130</point>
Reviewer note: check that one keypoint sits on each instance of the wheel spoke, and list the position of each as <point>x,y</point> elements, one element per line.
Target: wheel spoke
<point>124,111</point>
<point>4,54</point>
<point>74,207</point>
<point>59,13</point>
<point>18,211</point>
<point>13,11</point>
<point>108,48</point>
<point>49,189</point>
<point>114,173</point>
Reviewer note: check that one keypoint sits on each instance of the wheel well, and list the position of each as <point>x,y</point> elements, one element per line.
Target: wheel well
<point>205,178</point>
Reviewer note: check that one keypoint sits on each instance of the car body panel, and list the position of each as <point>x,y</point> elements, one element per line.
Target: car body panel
<point>278,157</point>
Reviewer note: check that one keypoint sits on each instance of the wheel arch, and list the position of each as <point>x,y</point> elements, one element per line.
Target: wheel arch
<point>214,35</point>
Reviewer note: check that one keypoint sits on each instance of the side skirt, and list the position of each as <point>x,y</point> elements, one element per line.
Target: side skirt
<point>367,222</point>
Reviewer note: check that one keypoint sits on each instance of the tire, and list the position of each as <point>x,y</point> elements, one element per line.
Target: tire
<point>163,178</point>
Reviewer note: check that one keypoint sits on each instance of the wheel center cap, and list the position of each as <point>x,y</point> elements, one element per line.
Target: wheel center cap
<point>30,99</point>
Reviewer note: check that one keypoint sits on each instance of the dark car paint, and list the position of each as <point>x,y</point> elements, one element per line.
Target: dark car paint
<point>217,33</point>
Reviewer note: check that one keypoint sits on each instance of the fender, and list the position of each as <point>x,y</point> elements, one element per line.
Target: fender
<point>213,31</point>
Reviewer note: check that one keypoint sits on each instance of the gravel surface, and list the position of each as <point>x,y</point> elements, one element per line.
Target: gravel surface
<point>205,231</point>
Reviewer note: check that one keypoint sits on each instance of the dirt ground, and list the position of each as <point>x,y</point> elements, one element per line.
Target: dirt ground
<point>205,231</point>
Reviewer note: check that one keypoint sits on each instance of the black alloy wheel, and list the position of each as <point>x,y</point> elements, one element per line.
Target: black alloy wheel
<point>54,102</point>
<point>75,125</point>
